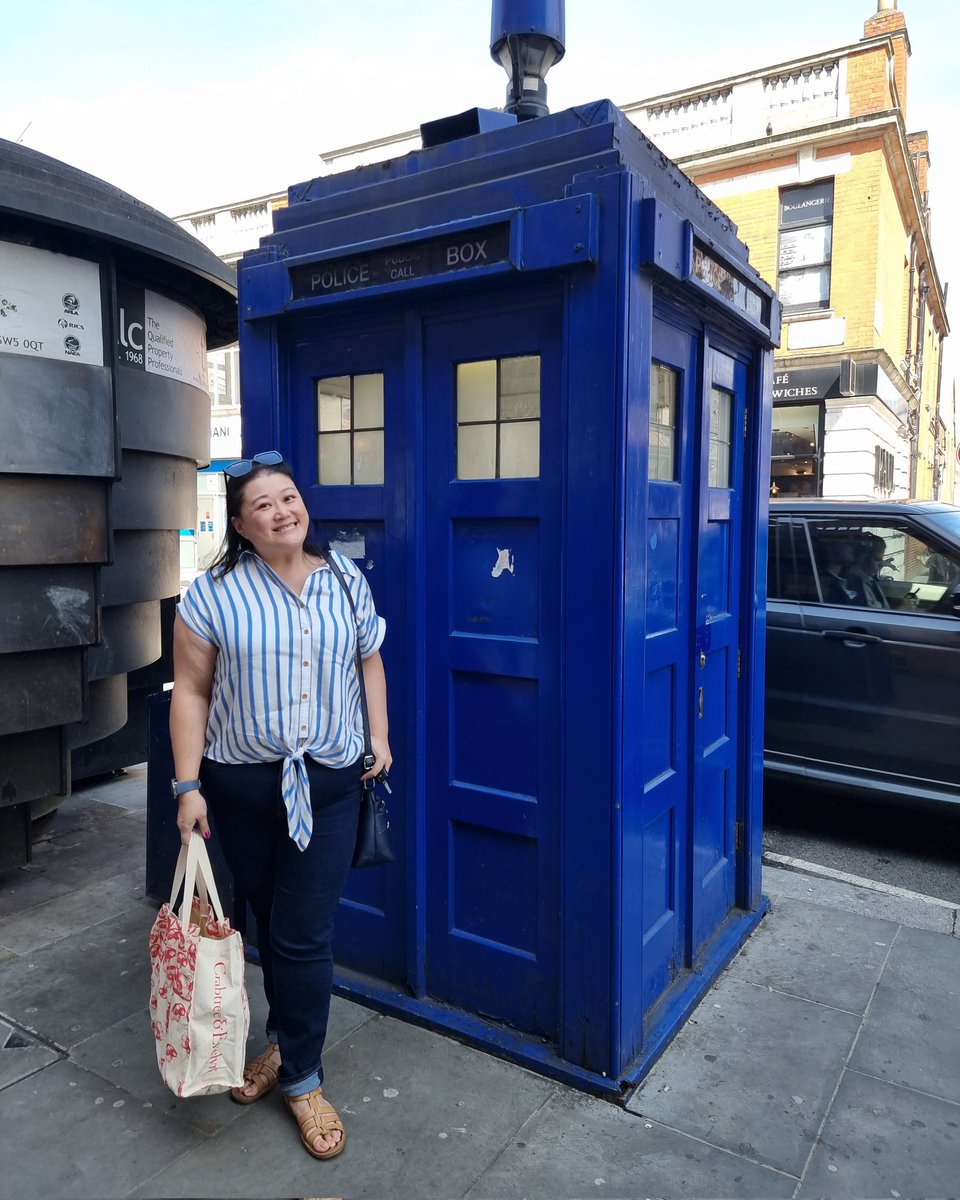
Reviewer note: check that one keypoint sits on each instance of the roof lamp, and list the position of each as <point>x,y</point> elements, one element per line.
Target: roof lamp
<point>526,38</point>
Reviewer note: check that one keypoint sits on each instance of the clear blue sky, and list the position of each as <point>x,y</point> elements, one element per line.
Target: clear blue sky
<point>196,103</point>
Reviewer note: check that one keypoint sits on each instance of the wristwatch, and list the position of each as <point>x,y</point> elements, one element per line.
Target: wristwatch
<point>178,789</point>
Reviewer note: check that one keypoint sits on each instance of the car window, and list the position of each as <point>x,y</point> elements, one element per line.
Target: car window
<point>873,565</point>
<point>790,570</point>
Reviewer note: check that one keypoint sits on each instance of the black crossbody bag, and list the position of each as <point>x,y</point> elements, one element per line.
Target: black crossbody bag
<point>372,848</point>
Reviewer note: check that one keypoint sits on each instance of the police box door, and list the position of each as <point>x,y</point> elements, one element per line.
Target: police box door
<point>492,706</point>
<point>718,708</point>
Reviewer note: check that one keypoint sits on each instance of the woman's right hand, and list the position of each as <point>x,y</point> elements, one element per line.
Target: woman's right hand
<point>193,812</point>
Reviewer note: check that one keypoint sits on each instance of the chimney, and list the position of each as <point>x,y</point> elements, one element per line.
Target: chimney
<point>889,22</point>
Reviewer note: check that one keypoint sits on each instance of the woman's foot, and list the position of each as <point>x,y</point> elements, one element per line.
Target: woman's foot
<point>260,1074</point>
<point>321,1130</point>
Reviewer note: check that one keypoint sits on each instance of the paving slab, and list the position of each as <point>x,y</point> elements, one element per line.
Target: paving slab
<point>94,1142</point>
<point>425,1117</point>
<point>862,902</point>
<point>25,887</point>
<point>127,790</point>
<point>72,989</point>
<point>88,842</point>
<point>21,1055</point>
<point>577,1146</point>
<point>752,1071</point>
<point>125,1055</point>
<point>816,953</point>
<point>884,1140</point>
<point>70,914</point>
<point>912,1033</point>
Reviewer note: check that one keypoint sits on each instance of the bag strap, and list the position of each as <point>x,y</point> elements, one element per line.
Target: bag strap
<point>197,876</point>
<point>367,746</point>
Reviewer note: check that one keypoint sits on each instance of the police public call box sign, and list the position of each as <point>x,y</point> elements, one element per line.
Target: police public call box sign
<point>393,264</point>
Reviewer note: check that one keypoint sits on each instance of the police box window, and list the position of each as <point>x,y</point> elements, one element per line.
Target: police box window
<point>806,244</point>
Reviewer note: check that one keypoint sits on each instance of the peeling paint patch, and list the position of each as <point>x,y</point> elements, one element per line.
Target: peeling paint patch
<point>70,605</point>
<point>504,562</point>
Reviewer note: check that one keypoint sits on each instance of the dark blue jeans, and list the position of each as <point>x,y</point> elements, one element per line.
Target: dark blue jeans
<point>293,894</point>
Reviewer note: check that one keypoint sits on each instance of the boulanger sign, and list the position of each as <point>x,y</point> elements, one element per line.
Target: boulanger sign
<point>50,305</point>
<point>158,336</point>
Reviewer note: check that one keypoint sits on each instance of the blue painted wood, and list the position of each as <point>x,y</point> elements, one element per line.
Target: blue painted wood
<point>569,864</point>
<point>492,690</point>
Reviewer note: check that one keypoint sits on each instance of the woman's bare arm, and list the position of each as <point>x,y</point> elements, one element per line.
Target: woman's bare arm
<point>375,686</point>
<point>193,665</point>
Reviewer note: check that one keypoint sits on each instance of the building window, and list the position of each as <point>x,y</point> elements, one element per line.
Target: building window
<point>795,450</point>
<point>664,389</point>
<point>350,430</point>
<point>498,418</point>
<point>806,243</point>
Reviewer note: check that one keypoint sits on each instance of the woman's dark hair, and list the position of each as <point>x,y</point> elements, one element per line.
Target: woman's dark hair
<point>233,544</point>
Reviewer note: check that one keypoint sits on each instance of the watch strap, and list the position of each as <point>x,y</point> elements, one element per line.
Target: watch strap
<point>189,785</point>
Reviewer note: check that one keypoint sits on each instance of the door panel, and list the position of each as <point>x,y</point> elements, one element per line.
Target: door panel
<point>716,645</point>
<point>666,684</point>
<point>492,694</point>
<point>366,522</point>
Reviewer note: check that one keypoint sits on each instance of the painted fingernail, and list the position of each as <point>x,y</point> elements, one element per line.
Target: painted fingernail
<point>207,835</point>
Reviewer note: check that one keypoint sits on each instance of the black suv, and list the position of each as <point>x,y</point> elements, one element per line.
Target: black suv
<point>863,645</point>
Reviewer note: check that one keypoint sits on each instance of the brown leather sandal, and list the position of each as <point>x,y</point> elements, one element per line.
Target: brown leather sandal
<point>258,1071</point>
<point>320,1121</point>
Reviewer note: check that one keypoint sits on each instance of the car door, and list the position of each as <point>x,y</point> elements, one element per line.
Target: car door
<point>871,681</point>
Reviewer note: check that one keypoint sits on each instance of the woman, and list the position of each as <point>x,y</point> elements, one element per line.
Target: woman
<point>266,730</point>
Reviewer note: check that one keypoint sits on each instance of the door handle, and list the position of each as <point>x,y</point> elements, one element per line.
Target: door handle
<point>700,706</point>
<point>850,635</point>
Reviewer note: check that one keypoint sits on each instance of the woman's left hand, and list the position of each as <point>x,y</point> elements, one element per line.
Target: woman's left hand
<point>384,759</point>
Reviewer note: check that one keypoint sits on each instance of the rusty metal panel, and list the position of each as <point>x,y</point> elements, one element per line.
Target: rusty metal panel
<point>184,430</point>
<point>106,712</point>
<point>146,566</point>
<point>41,689</point>
<point>155,492</point>
<point>44,519</point>
<point>44,608</point>
<point>32,764</point>
<point>57,417</point>
<point>130,639</point>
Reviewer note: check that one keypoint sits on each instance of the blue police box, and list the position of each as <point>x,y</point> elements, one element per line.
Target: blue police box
<point>523,378</point>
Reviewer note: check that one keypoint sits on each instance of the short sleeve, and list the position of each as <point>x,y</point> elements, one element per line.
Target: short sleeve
<point>196,612</point>
<point>372,628</point>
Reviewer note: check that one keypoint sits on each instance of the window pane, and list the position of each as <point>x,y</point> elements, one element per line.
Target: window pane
<point>809,288</point>
<point>802,247</point>
<point>477,391</point>
<point>333,403</point>
<point>520,387</point>
<point>520,450</point>
<point>368,401</point>
<point>368,456</point>
<point>721,415</point>
<point>477,452</point>
<point>664,387</point>
<point>333,458</point>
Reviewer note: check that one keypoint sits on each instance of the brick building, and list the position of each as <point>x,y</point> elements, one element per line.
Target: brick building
<point>813,161</point>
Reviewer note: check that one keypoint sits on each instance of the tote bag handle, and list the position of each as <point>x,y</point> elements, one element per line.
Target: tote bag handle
<point>195,873</point>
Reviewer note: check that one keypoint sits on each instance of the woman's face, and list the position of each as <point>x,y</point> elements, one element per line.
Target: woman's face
<point>272,514</point>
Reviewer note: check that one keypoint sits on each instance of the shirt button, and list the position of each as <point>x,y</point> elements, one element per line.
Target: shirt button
<point>305,696</point>
<point>306,633</point>
<point>303,728</point>
<point>305,663</point>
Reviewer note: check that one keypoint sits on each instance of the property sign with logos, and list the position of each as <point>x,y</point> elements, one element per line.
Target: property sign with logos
<point>50,305</point>
<point>158,336</point>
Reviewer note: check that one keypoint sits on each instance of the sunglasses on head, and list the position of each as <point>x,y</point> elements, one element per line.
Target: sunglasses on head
<point>243,466</point>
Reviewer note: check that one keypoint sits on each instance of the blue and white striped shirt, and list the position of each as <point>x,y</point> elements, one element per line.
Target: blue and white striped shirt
<point>285,682</point>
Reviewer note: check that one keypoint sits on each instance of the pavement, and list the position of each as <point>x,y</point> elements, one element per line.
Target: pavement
<point>825,1061</point>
